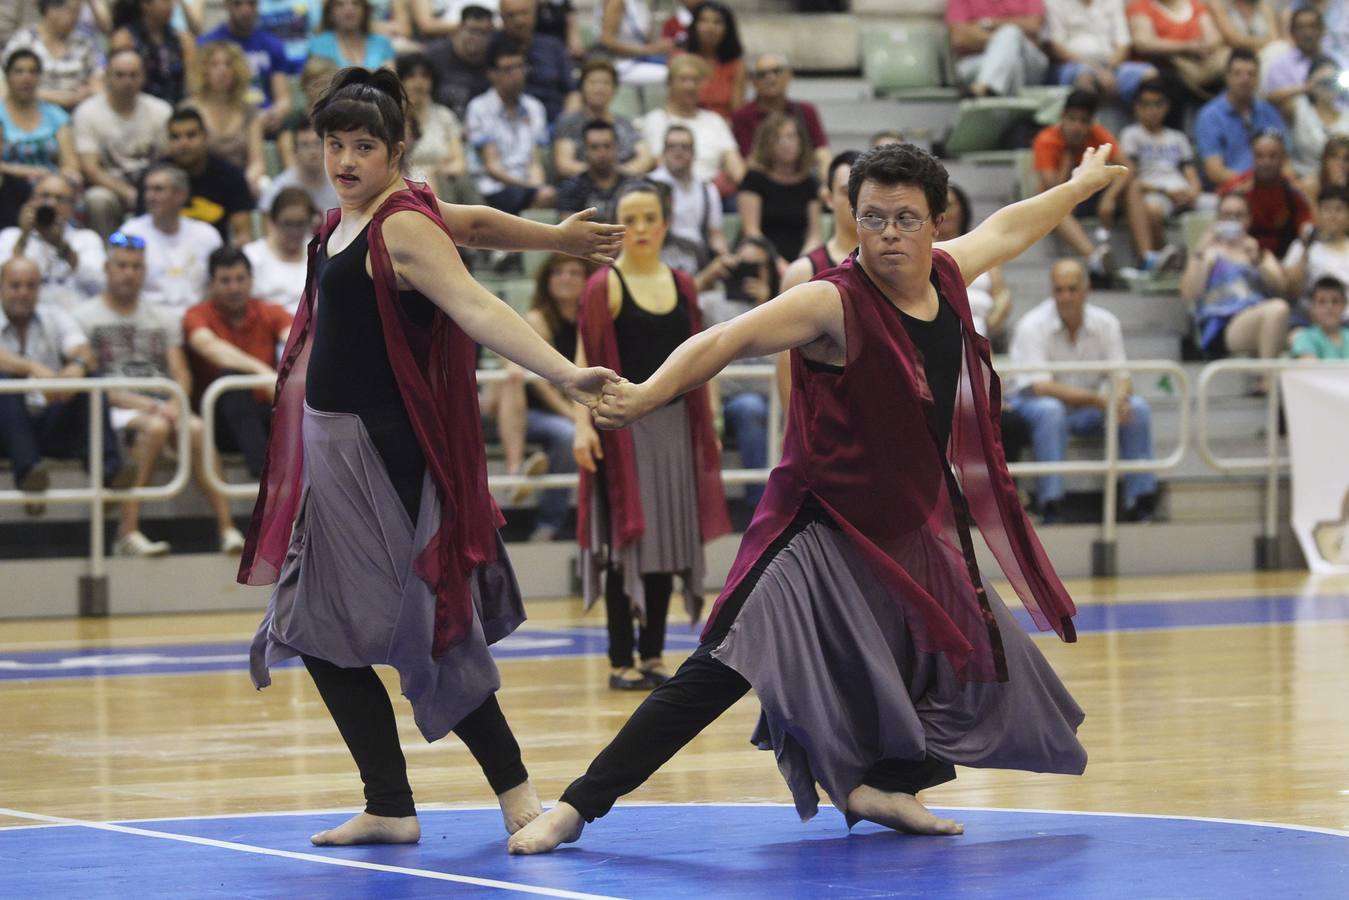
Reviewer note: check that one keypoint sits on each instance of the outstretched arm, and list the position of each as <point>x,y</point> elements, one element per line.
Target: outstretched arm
<point>1007,233</point>
<point>802,315</point>
<point>485,228</point>
<point>425,259</point>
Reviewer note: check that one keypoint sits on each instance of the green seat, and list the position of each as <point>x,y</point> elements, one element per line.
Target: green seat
<point>627,102</point>
<point>730,228</point>
<point>271,158</point>
<point>1193,224</point>
<point>1050,98</point>
<point>907,60</point>
<point>981,122</point>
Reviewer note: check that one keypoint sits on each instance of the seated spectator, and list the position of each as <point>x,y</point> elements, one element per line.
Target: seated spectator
<point>1327,338</point>
<point>289,20</point>
<point>718,158</point>
<point>1279,211</point>
<point>558,18</point>
<point>70,258</point>
<point>695,236</point>
<point>1235,286</point>
<point>232,332</point>
<point>772,76</point>
<point>460,61</point>
<point>436,153</point>
<point>1166,180</point>
<point>265,54</point>
<point>37,133</point>
<point>40,340</point>
<point>345,36</point>
<point>1334,168</point>
<point>1322,251</point>
<point>134,339</point>
<point>885,136</point>
<point>843,241</point>
<point>1248,24</point>
<point>391,18</point>
<point>174,248</point>
<point>627,33</point>
<point>314,78</point>
<point>599,185</point>
<point>1315,115</point>
<point>548,414</point>
<point>217,86</point>
<point>736,283</point>
<point>780,196</point>
<point>119,132</point>
<point>1090,43</point>
<point>676,26</point>
<point>1180,40</point>
<point>1057,150</point>
<point>306,173</point>
<point>547,65</point>
<point>508,130</point>
<point>1286,74</point>
<point>714,38</point>
<point>1066,328</point>
<point>997,44</point>
<point>72,68</point>
<point>14,193</point>
<point>144,26</point>
<point>218,193</point>
<point>599,82</point>
<point>1223,129</point>
<point>990,298</point>
<point>280,263</point>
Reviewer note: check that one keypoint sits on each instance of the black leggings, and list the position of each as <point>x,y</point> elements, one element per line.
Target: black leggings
<point>700,691</point>
<point>618,610</point>
<point>360,706</point>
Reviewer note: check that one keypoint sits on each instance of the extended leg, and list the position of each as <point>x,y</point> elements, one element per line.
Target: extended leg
<point>488,737</point>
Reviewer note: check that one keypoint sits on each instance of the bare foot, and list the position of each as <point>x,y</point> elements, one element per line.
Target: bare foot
<point>901,812</point>
<point>364,828</point>
<point>519,806</point>
<point>560,825</point>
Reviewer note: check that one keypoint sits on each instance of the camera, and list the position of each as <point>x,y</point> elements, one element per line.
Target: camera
<point>745,270</point>
<point>44,216</point>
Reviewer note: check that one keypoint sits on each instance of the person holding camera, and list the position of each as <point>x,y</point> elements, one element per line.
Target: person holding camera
<point>69,258</point>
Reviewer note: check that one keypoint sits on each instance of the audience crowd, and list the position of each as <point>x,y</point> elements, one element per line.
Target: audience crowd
<point>159,183</point>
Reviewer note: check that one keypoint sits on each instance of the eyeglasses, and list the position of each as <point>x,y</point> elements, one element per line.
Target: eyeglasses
<point>905,222</point>
<point>764,73</point>
<point>122,239</point>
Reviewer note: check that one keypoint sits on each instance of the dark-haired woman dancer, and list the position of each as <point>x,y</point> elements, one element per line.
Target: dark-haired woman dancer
<point>374,517</point>
<point>855,608</point>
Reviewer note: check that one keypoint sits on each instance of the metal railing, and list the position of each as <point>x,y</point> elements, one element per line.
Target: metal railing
<point>93,587</point>
<point>1272,463</point>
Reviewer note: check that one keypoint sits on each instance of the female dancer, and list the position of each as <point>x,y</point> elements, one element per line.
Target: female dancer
<point>374,517</point>
<point>879,655</point>
<point>651,497</point>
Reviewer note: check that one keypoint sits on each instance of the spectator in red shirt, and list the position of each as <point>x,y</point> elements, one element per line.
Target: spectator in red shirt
<point>1280,212</point>
<point>234,333</point>
<point>772,75</point>
<point>1057,150</point>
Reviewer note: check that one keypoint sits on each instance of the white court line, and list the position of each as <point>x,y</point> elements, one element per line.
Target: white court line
<point>710,804</point>
<point>306,857</point>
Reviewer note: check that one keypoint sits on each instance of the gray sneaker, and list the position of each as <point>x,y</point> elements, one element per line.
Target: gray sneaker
<point>135,544</point>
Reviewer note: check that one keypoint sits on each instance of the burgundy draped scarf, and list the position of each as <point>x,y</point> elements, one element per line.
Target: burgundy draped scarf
<point>595,328</point>
<point>435,369</point>
<point>861,441</point>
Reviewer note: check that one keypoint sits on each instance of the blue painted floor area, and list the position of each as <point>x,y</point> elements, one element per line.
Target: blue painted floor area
<point>536,643</point>
<point>680,851</point>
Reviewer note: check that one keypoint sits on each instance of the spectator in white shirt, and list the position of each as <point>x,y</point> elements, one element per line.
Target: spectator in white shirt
<point>508,131</point>
<point>1089,42</point>
<point>695,237</point>
<point>70,258</point>
<point>176,247</point>
<point>717,157</point>
<point>1166,180</point>
<point>307,172</point>
<point>1065,328</point>
<point>280,263</point>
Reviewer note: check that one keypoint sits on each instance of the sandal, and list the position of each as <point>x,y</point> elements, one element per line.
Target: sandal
<point>621,681</point>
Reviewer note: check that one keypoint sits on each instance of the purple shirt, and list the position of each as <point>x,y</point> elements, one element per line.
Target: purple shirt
<point>1288,70</point>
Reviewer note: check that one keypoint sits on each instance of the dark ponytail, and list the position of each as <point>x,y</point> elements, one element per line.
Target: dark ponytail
<point>359,98</point>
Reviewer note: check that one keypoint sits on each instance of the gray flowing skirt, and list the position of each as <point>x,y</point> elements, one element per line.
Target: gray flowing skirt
<point>842,686</point>
<point>673,540</point>
<point>348,593</point>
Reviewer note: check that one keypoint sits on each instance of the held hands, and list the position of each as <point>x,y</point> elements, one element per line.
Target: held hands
<point>579,236</point>
<point>1095,171</point>
<point>621,404</point>
<point>584,385</point>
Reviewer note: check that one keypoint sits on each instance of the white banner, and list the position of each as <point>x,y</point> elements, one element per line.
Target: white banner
<point>1316,403</point>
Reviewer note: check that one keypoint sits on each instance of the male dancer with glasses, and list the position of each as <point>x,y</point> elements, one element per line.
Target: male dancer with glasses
<point>855,609</point>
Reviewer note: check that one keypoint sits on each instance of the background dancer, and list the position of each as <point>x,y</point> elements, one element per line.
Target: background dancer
<point>650,497</point>
<point>376,463</point>
<point>880,656</point>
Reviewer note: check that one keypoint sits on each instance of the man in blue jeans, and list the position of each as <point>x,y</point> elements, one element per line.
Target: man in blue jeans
<point>1065,328</point>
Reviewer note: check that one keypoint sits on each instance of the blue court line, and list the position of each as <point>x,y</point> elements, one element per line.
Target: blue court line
<point>543,643</point>
<point>711,851</point>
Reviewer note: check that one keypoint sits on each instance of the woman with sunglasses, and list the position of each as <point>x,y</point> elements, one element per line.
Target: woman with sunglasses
<point>374,518</point>
<point>855,609</point>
